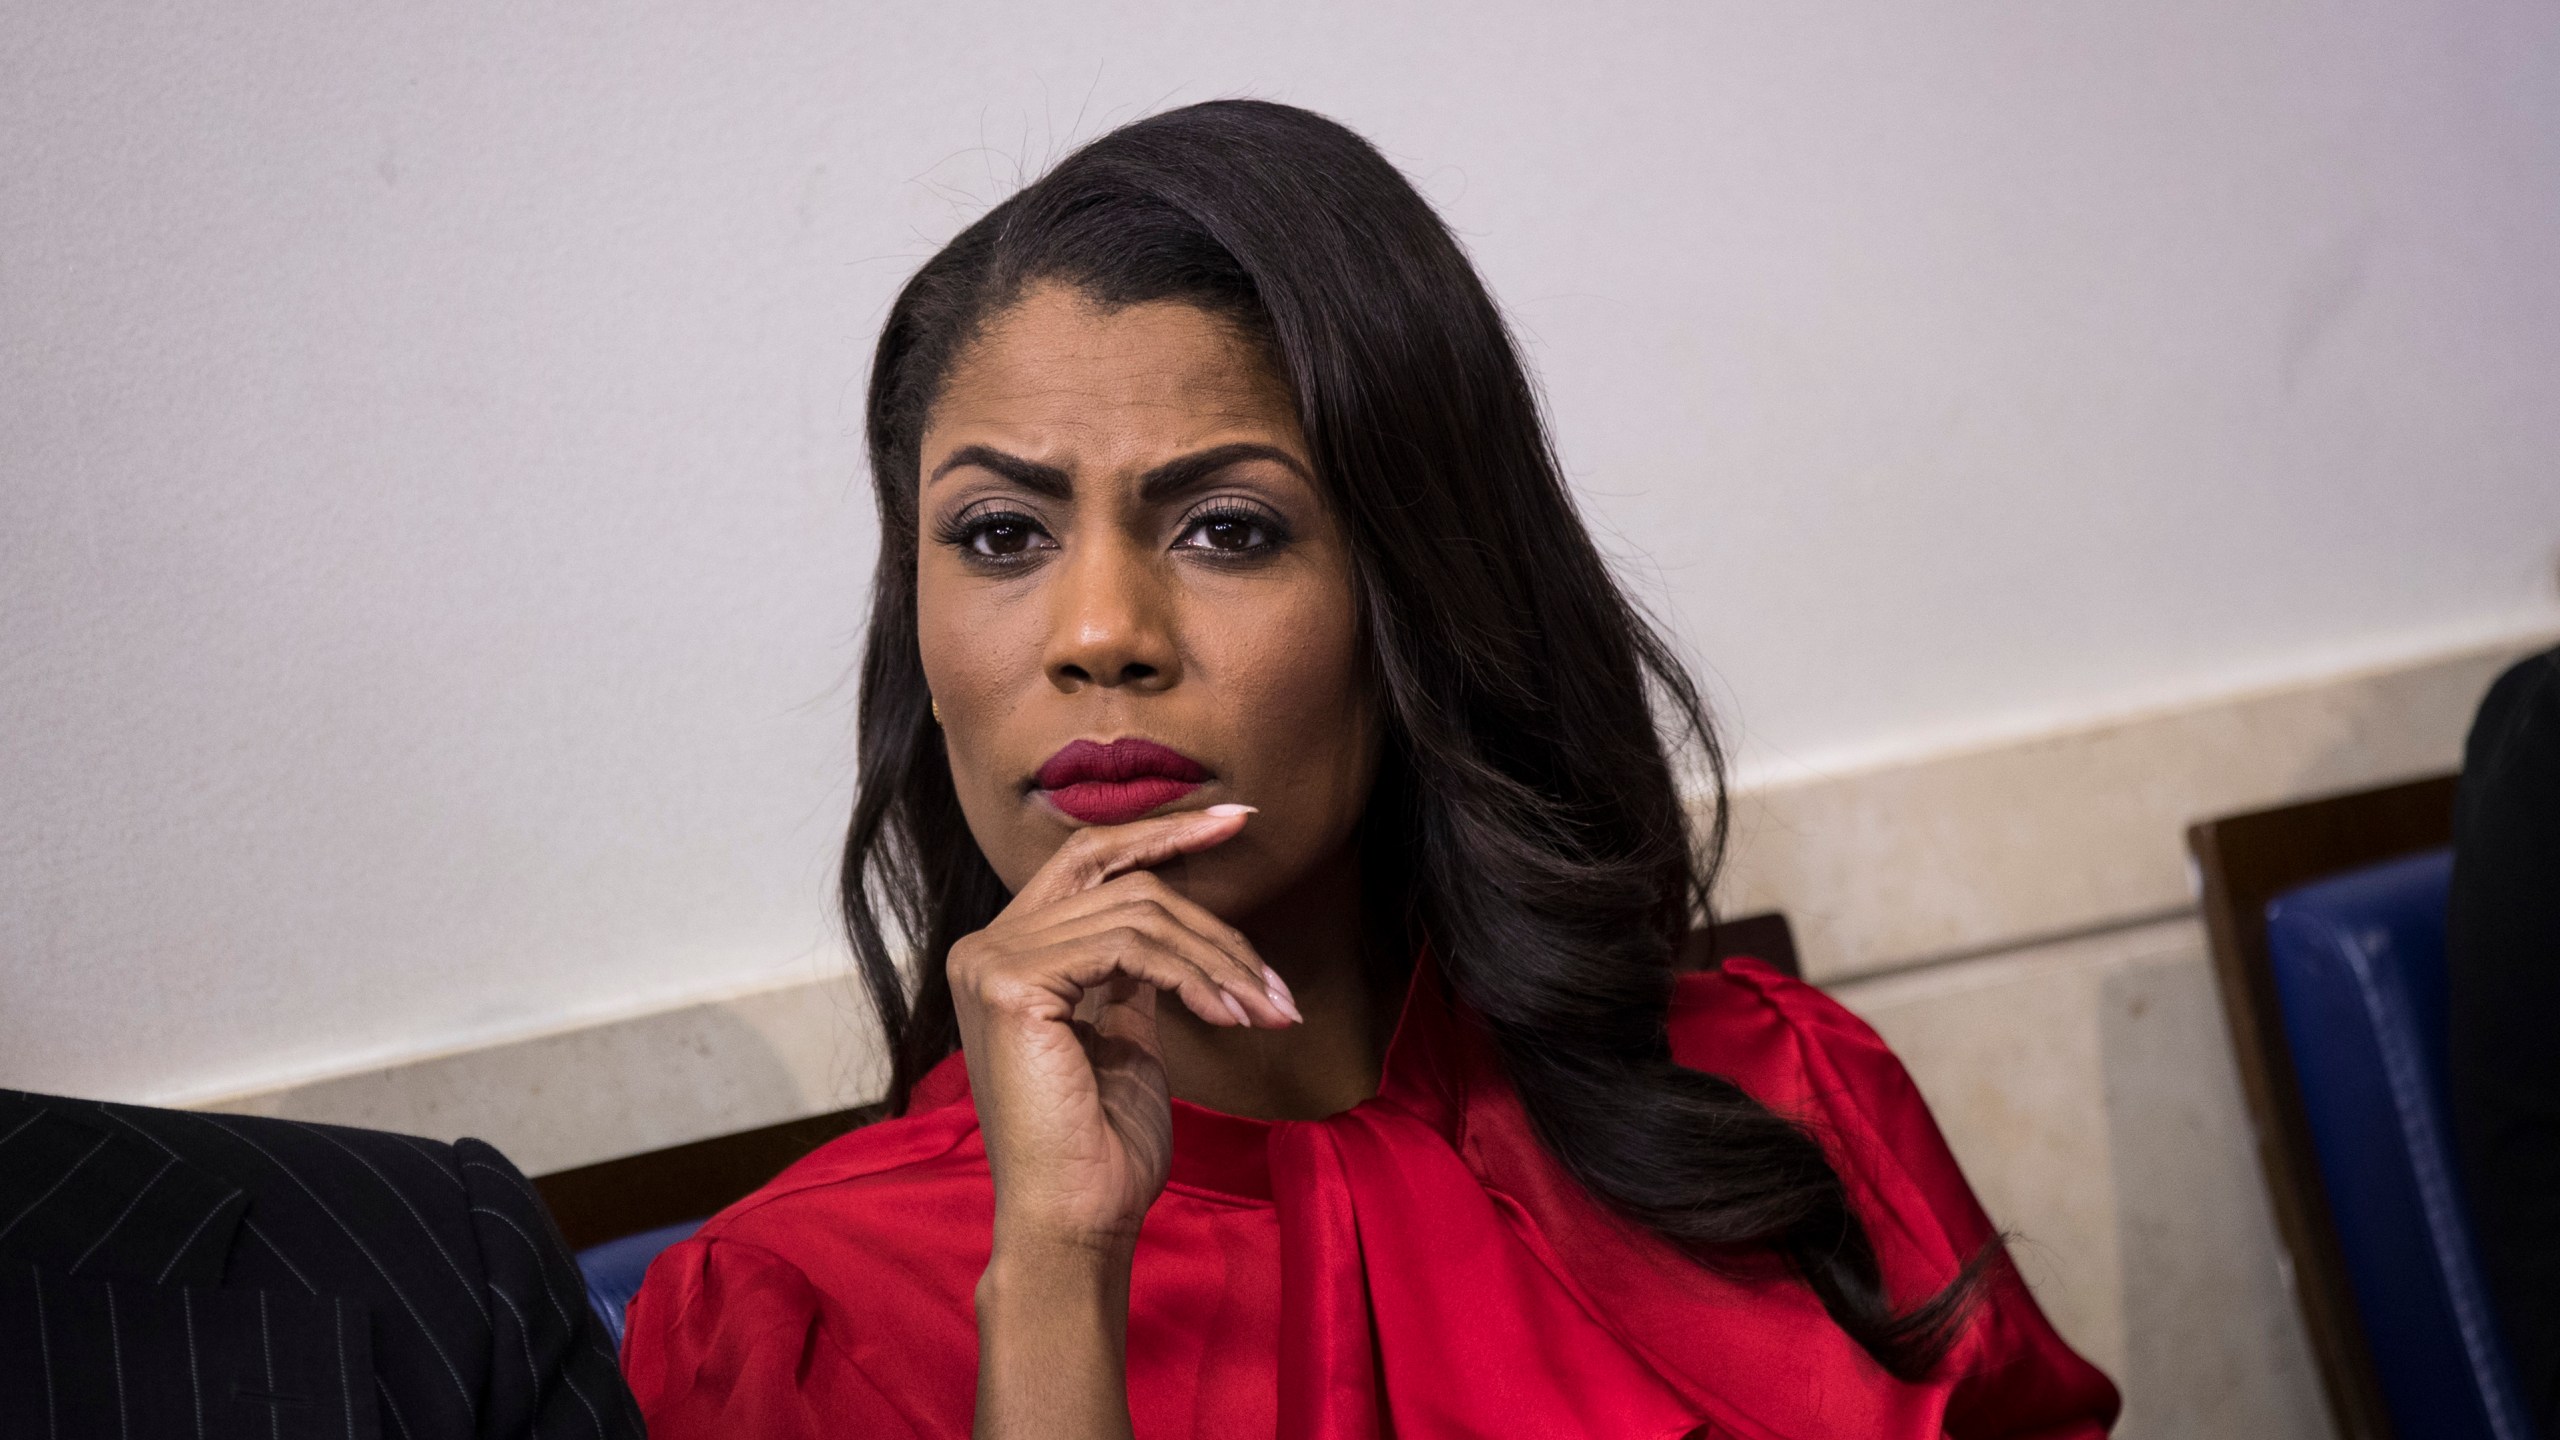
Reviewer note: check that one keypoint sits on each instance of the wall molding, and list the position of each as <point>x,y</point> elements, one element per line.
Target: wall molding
<point>2048,836</point>
<point>619,1086</point>
<point>1891,868</point>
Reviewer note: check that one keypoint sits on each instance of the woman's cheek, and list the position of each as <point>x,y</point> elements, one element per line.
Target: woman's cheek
<point>1307,687</point>
<point>974,656</point>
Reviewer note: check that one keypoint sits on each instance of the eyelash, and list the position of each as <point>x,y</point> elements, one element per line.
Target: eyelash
<point>966,531</point>
<point>1275,535</point>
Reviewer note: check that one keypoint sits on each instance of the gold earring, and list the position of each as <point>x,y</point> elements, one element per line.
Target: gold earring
<point>937,709</point>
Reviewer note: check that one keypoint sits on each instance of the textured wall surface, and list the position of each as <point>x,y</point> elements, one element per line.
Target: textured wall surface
<point>436,539</point>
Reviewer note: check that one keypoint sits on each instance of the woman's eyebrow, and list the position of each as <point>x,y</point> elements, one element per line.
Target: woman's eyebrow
<point>1031,475</point>
<point>1174,476</point>
<point>1168,479</point>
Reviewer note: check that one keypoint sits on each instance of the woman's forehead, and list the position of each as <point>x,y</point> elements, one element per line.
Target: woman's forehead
<point>1060,373</point>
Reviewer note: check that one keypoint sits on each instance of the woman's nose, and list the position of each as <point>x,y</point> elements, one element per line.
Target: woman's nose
<point>1110,621</point>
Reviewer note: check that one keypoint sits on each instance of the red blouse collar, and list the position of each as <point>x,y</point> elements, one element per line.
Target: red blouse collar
<point>1425,1074</point>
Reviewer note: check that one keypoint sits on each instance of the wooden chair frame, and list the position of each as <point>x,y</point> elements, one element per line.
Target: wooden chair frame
<point>2243,862</point>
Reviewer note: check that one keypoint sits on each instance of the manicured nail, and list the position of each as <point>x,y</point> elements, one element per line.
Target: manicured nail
<point>1222,811</point>
<point>1235,1007</point>
<point>1281,999</point>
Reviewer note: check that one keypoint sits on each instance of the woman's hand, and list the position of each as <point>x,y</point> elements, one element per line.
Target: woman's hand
<point>1056,1001</point>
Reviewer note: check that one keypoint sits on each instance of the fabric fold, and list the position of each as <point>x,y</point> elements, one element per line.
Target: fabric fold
<point>1424,1306</point>
<point>1328,1329</point>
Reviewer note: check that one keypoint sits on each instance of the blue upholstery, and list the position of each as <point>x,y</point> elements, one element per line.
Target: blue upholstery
<point>2360,972</point>
<point>613,1270</point>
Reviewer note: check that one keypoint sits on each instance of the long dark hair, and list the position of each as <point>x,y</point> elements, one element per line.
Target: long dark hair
<point>1527,793</point>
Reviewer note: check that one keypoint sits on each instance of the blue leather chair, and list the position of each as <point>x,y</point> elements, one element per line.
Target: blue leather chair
<point>613,1270</point>
<point>2359,969</point>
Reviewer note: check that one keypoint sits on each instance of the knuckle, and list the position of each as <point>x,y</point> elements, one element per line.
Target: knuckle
<point>1010,996</point>
<point>1144,915</point>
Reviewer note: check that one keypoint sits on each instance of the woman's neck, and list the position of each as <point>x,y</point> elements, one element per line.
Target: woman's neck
<point>1316,936</point>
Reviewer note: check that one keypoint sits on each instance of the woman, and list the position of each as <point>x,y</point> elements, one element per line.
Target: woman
<point>1266,773</point>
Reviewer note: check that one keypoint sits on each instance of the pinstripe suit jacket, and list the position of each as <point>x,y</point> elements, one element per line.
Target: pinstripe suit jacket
<point>166,1273</point>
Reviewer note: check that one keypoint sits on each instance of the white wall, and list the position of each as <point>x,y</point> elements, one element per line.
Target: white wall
<point>435,534</point>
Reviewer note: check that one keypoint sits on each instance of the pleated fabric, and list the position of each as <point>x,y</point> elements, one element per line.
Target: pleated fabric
<point>1416,1266</point>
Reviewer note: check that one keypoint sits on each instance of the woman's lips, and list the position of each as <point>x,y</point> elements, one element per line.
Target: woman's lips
<point>1112,784</point>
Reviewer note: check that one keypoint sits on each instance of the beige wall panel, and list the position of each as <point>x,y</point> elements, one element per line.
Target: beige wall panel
<point>2055,835</point>
<point>591,1094</point>
<point>2214,1343</point>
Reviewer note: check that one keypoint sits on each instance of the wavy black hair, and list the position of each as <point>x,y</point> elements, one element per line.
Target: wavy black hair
<point>1527,790</point>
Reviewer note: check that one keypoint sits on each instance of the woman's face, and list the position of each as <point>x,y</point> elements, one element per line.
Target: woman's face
<point>1121,540</point>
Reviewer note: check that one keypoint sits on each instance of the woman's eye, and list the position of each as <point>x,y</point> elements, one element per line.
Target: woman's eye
<point>1230,532</point>
<point>1002,536</point>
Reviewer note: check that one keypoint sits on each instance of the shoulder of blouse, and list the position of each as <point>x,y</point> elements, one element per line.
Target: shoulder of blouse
<point>883,1163</point>
<point>764,1267</point>
<point>720,1342</point>
<point>1804,1054</point>
<point>1742,989</point>
<point>1787,1043</point>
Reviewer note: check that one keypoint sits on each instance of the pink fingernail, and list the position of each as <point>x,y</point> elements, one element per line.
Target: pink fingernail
<point>1223,811</point>
<point>1278,990</point>
<point>1235,1007</point>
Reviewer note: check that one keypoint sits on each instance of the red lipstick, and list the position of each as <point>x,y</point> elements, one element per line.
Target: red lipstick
<point>1116,783</point>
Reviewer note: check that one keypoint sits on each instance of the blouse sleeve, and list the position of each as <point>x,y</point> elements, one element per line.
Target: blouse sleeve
<point>720,1344</point>
<point>2010,1373</point>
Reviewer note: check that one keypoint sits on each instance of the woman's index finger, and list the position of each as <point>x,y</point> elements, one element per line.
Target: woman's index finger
<point>1099,853</point>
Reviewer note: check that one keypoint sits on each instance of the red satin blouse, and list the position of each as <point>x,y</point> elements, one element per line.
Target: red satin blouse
<point>1415,1266</point>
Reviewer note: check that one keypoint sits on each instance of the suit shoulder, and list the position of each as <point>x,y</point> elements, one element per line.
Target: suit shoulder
<point>2512,731</point>
<point>267,1155</point>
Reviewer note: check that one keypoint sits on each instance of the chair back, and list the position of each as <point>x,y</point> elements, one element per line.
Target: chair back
<point>614,1269</point>
<point>2358,962</point>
